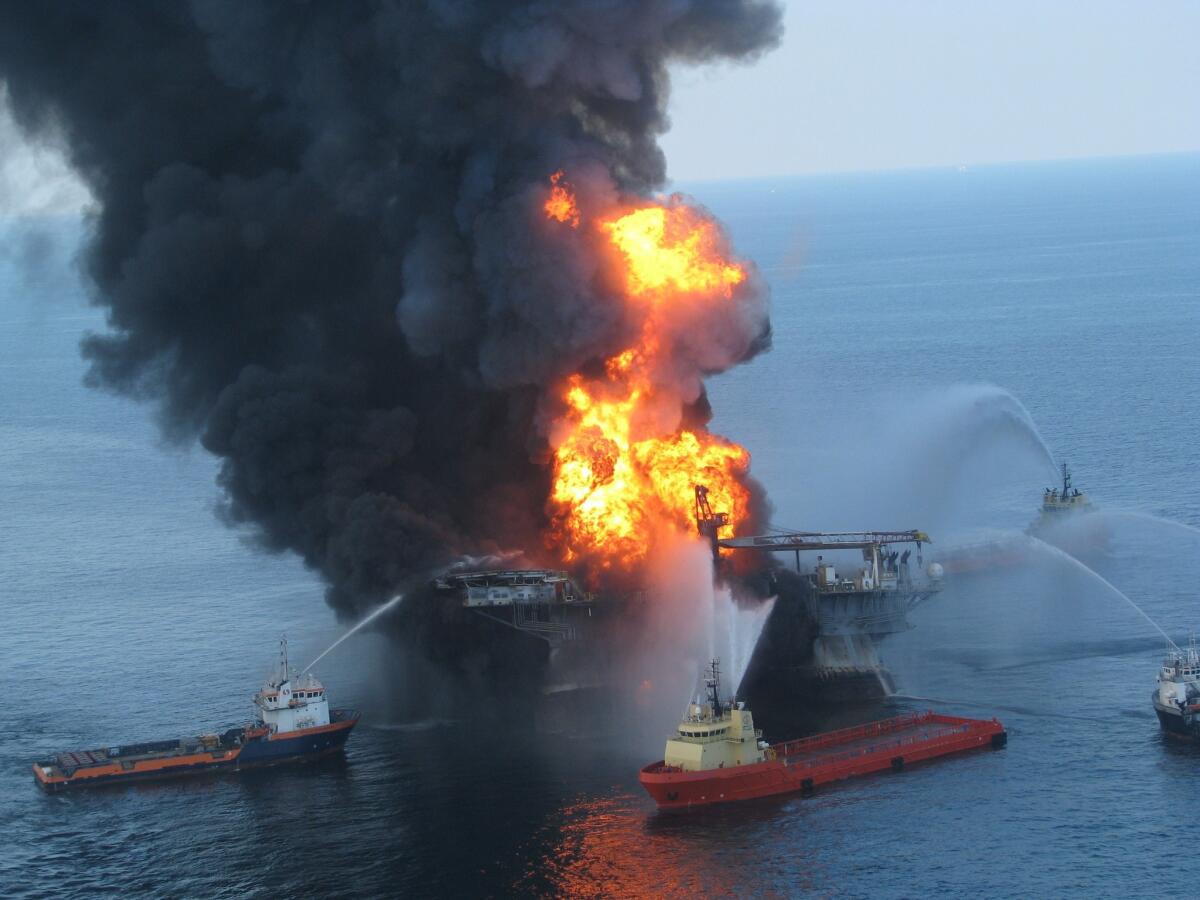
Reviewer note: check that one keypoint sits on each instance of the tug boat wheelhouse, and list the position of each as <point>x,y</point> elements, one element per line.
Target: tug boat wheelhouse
<point>718,756</point>
<point>294,723</point>
<point>1060,504</point>
<point>1176,699</point>
<point>1068,520</point>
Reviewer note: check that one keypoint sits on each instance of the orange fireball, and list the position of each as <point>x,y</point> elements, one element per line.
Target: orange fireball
<point>616,488</point>
<point>671,249</point>
<point>613,494</point>
<point>561,205</point>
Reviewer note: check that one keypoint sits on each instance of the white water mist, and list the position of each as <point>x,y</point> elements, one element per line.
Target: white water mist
<point>1150,519</point>
<point>1058,554</point>
<point>686,622</point>
<point>733,633</point>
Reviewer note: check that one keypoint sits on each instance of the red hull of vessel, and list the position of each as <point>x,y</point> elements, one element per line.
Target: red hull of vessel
<point>804,764</point>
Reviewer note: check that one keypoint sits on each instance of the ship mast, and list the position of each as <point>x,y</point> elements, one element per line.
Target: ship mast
<point>714,688</point>
<point>283,660</point>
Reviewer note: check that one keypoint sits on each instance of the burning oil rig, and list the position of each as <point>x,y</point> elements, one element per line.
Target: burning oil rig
<point>820,641</point>
<point>819,646</point>
<point>512,632</point>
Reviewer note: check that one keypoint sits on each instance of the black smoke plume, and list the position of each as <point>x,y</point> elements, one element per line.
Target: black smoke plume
<point>318,240</point>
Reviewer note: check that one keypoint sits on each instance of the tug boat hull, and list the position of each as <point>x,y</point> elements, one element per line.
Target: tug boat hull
<point>238,749</point>
<point>1178,722</point>
<point>803,765</point>
<point>1176,699</point>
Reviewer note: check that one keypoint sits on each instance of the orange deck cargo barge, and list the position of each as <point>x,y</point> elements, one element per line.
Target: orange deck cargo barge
<point>803,765</point>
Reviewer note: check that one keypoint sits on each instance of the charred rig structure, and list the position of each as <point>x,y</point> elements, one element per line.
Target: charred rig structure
<point>821,640</point>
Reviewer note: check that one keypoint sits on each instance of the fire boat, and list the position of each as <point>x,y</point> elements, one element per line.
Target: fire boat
<point>718,756</point>
<point>1176,699</point>
<point>1067,520</point>
<point>294,723</point>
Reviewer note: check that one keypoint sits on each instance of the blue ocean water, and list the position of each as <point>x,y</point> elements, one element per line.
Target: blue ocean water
<point>928,327</point>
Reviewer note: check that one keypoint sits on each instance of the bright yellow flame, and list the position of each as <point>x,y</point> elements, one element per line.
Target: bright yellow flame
<point>614,491</point>
<point>671,248</point>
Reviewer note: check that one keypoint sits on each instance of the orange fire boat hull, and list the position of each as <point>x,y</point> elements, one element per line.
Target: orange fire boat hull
<point>803,765</point>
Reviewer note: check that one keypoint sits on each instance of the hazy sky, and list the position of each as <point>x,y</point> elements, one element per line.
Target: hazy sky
<point>881,84</point>
<point>868,84</point>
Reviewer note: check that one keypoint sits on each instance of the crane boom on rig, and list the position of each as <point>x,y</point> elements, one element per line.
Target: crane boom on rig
<point>710,523</point>
<point>828,617</point>
<point>823,540</point>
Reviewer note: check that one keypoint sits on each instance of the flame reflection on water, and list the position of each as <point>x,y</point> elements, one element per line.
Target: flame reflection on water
<point>616,847</point>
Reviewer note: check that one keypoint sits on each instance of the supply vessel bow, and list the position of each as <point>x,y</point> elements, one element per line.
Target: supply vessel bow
<point>294,722</point>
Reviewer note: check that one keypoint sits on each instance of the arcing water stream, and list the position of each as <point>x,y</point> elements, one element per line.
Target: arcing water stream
<point>733,634</point>
<point>1156,520</point>
<point>1050,549</point>
<point>370,617</point>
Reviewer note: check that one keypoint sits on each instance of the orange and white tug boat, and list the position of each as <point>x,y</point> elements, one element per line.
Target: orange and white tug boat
<point>294,722</point>
<point>718,756</point>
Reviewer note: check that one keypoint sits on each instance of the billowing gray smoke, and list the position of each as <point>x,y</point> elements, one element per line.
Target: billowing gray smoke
<point>320,244</point>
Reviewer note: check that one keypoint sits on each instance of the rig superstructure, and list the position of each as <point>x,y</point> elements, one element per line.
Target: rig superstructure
<point>543,603</point>
<point>521,632</point>
<point>838,615</point>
